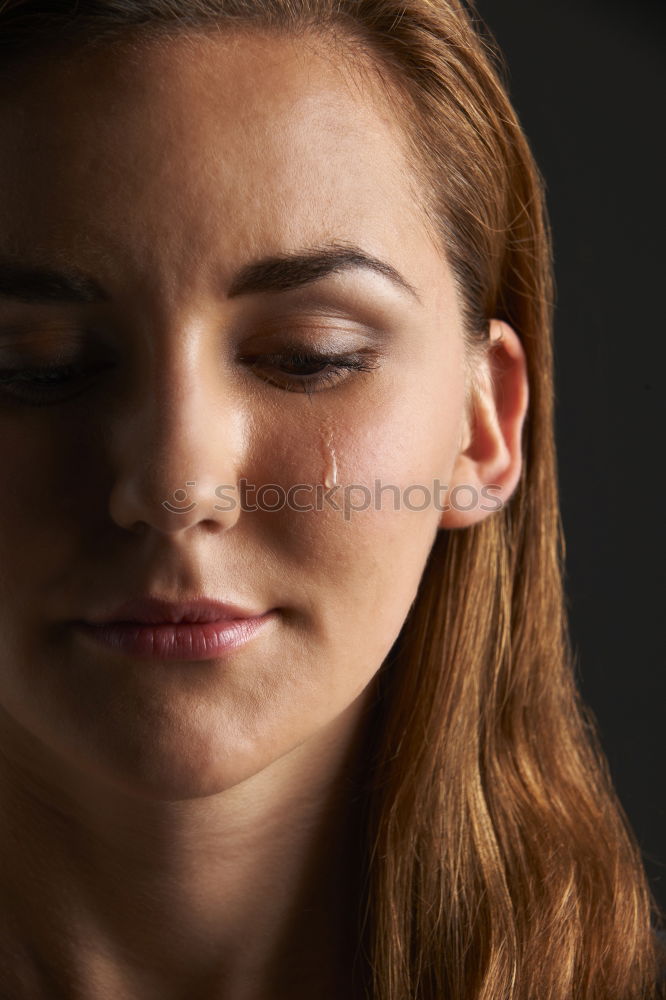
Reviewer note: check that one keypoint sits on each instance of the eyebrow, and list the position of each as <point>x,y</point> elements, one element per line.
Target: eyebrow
<point>279,273</point>
<point>42,285</point>
<point>284,272</point>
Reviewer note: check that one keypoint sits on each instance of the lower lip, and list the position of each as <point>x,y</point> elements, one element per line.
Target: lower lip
<point>195,641</point>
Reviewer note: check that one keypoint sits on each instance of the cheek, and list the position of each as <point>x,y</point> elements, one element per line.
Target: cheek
<point>46,486</point>
<point>406,441</point>
<point>359,557</point>
<point>373,455</point>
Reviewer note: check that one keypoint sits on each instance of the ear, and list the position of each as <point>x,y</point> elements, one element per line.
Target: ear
<point>489,463</point>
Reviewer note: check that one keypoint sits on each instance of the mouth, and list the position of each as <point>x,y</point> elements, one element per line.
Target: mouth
<point>184,641</point>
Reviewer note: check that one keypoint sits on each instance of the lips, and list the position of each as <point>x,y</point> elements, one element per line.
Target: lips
<point>157,611</point>
<point>150,628</point>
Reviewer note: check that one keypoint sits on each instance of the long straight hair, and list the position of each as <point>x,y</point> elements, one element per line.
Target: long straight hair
<point>498,863</point>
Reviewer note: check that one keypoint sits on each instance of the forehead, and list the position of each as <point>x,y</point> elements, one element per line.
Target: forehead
<point>167,153</point>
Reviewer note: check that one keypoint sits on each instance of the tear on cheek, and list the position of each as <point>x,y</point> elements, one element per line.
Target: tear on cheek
<point>330,468</point>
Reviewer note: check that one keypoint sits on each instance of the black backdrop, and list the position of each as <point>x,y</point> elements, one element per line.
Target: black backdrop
<point>588,79</point>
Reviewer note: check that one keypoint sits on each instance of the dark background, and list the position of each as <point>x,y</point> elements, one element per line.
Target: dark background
<point>588,80</point>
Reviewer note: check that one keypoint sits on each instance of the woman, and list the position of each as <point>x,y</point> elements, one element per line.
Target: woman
<point>287,702</point>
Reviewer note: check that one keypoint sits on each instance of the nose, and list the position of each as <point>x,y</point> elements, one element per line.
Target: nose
<point>176,454</point>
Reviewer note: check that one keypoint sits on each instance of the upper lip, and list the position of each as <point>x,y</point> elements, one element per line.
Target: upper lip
<point>155,610</point>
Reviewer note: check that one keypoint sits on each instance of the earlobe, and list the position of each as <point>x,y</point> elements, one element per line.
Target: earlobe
<point>489,463</point>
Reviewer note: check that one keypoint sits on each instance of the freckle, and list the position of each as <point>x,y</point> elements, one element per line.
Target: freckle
<point>331,466</point>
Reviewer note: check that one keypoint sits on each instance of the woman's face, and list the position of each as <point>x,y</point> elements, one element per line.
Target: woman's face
<point>151,179</point>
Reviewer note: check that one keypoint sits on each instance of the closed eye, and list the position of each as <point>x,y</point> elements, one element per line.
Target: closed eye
<point>307,371</point>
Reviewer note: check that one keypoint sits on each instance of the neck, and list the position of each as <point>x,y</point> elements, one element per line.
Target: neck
<point>246,894</point>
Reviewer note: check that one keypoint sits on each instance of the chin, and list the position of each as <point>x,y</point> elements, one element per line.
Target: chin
<point>157,755</point>
<point>160,773</point>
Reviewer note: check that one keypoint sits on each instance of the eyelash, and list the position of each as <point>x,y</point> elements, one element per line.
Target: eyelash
<point>341,367</point>
<point>333,368</point>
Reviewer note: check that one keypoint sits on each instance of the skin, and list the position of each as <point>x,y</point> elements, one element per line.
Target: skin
<point>173,830</point>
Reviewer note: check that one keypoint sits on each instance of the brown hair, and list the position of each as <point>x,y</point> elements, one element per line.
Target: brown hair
<point>499,864</point>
